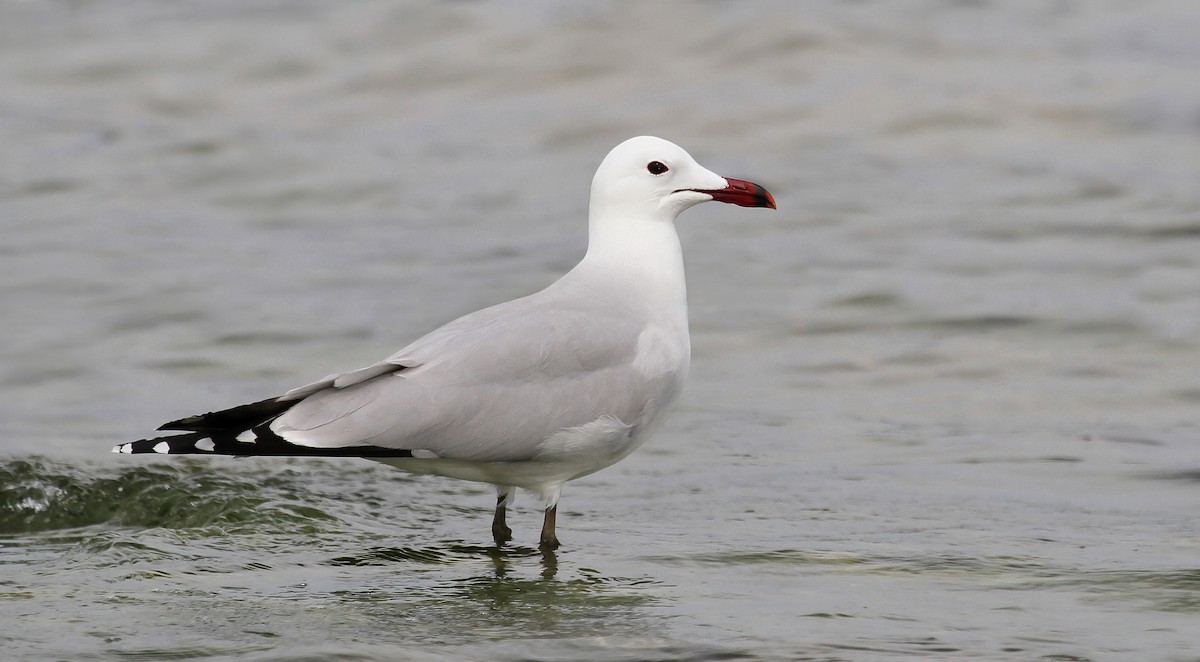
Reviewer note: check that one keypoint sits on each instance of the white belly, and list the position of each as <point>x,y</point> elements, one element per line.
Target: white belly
<point>568,454</point>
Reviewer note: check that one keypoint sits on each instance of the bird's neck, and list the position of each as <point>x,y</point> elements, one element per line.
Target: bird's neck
<point>642,260</point>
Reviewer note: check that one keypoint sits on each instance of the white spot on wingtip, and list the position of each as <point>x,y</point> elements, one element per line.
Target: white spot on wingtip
<point>205,445</point>
<point>162,447</point>
<point>424,454</point>
<point>247,437</point>
<point>119,448</point>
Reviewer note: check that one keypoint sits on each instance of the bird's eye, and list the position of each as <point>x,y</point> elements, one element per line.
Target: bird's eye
<point>656,167</point>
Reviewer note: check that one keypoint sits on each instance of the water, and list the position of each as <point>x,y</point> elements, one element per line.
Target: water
<point>943,404</point>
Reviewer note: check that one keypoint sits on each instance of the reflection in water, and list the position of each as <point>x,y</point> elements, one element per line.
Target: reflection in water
<point>505,589</point>
<point>501,562</point>
<point>500,556</point>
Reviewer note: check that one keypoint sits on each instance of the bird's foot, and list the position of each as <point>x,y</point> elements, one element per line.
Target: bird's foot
<point>501,534</point>
<point>549,541</point>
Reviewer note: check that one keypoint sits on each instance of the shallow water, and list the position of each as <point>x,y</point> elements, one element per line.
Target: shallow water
<point>943,404</point>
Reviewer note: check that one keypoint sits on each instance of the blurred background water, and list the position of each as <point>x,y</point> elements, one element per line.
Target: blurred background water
<point>943,404</point>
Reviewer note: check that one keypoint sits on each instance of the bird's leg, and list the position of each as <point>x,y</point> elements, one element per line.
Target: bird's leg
<point>549,540</point>
<point>500,531</point>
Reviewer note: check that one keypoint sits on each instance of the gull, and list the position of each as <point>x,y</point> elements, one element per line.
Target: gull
<point>530,393</point>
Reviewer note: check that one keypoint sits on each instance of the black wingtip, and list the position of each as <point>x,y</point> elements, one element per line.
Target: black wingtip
<point>195,442</point>
<point>260,442</point>
<point>181,424</point>
<point>242,417</point>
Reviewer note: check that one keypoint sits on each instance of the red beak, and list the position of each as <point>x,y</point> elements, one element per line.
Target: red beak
<point>741,193</point>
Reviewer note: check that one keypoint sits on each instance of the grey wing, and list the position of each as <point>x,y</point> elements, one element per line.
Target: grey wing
<point>490,386</point>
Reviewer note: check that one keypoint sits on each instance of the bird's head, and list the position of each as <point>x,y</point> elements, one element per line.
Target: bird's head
<point>648,176</point>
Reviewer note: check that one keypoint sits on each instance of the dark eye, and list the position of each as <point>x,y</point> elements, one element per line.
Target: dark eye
<point>656,167</point>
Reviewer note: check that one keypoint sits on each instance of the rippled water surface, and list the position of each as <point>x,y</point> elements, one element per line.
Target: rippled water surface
<point>943,403</point>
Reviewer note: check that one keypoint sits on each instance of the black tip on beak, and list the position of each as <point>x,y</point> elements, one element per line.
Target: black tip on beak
<point>742,193</point>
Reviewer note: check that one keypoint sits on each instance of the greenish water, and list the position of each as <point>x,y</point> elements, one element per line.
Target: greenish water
<point>198,562</point>
<point>943,404</point>
<point>323,560</point>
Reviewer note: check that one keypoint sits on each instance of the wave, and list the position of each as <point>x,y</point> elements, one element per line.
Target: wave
<point>39,495</point>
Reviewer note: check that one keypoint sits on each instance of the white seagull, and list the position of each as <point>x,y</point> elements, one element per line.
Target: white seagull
<point>530,393</point>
